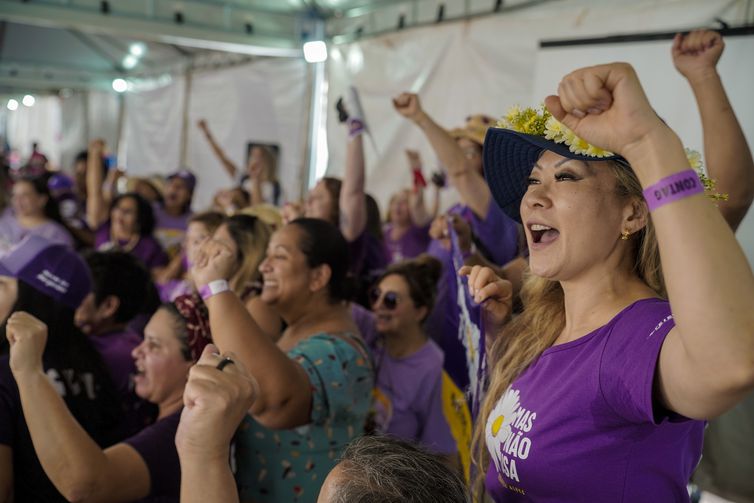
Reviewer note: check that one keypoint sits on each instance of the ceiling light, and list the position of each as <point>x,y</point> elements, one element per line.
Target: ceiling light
<point>138,49</point>
<point>315,51</point>
<point>120,85</point>
<point>130,61</point>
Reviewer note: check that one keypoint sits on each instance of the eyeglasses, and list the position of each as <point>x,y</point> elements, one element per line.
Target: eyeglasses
<point>389,299</point>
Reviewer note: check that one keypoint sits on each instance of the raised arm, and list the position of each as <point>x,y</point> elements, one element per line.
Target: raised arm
<point>353,203</point>
<point>215,401</point>
<point>727,155</point>
<point>96,208</point>
<point>465,178</point>
<point>229,166</point>
<point>284,399</point>
<point>417,206</point>
<point>706,363</point>
<point>75,464</point>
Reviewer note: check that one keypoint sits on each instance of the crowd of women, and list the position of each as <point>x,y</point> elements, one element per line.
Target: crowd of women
<point>272,350</point>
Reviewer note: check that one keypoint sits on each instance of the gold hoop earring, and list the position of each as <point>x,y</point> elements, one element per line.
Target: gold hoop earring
<point>624,235</point>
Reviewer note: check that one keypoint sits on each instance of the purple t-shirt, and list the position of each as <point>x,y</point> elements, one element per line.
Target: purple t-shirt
<point>156,446</point>
<point>148,250</point>
<point>367,255</point>
<point>115,349</point>
<point>11,233</point>
<point>170,230</point>
<point>409,390</point>
<point>413,242</point>
<point>496,232</point>
<point>581,424</point>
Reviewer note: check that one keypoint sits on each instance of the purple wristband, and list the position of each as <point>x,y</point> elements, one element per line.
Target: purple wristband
<point>672,188</point>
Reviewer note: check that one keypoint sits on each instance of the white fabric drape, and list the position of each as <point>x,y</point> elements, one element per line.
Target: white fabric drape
<point>479,66</point>
<point>262,102</point>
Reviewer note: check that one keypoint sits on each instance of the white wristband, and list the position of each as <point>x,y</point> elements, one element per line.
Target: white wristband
<point>213,288</point>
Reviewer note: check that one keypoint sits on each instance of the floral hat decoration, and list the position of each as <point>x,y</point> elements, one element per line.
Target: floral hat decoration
<point>518,140</point>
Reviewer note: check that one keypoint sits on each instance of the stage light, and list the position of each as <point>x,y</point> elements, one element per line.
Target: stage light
<point>28,100</point>
<point>12,104</point>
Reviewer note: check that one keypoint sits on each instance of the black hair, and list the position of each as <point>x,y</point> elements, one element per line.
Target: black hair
<point>421,274</point>
<point>323,244</point>
<point>123,276</point>
<point>51,209</point>
<point>179,323</point>
<point>83,156</point>
<point>68,348</point>
<point>144,214</point>
<point>374,221</point>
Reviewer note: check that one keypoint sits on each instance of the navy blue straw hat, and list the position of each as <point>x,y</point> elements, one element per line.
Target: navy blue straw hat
<point>508,158</point>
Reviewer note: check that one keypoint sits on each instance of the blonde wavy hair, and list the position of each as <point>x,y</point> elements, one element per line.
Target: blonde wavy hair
<point>251,235</point>
<point>528,335</point>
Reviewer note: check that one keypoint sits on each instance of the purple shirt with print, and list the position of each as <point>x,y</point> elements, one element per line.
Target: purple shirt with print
<point>582,423</point>
<point>156,446</point>
<point>413,242</point>
<point>409,390</point>
<point>148,250</point>
<point>170,230</point>
<point>11,233</point>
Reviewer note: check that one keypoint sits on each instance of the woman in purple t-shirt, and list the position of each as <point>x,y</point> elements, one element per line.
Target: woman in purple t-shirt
<point>411,388</point>
<point>33,212</point>
<point>344,203</point>
<point>144,467</point>
<point>126,224</point>
<point>597,390</point>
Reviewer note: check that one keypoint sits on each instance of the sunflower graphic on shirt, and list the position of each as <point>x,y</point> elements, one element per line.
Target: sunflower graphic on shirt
<point>499,423</point>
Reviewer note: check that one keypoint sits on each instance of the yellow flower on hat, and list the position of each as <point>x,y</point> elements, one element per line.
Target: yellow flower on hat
<point>540,122</point>
<point>695,161</point>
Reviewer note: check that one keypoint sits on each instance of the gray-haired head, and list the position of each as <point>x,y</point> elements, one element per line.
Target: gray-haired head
<point>382,469</point>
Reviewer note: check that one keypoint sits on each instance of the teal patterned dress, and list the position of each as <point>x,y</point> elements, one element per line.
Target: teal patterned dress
<point>281,466</point>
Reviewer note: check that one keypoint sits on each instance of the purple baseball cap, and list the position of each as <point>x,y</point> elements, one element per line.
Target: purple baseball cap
<point>59,181</point>
<point>52,269</point>
<point>187,176</point>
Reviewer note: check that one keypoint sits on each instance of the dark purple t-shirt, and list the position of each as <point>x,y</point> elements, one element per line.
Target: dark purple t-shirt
<point>581,423</point>
<point>367,255</point>
<point>413,242</point>
<point>148,250</point>
<point>115,348</point>
<point>156,446</point>
<point>87,402</point>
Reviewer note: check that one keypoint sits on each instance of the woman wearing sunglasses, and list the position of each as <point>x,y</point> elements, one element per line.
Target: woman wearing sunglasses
<point>410,381</point>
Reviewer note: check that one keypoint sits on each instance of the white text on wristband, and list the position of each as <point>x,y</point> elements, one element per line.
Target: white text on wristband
<point>672,188</point>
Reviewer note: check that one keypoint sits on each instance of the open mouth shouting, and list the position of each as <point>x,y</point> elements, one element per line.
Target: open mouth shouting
<point>542,235</point>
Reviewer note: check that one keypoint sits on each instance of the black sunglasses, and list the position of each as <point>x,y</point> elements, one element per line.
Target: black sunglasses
<point>389,299</point>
